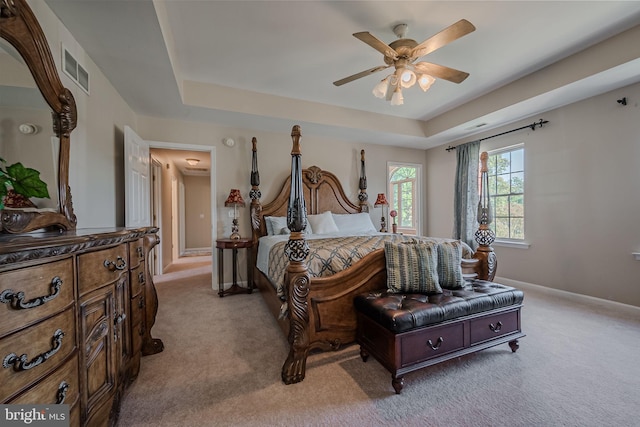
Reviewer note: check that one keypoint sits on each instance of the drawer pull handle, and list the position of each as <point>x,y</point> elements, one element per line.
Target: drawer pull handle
<point>139,251</point>
<point>62,392</point>
<point>141,277</point>
<point>17,302</point>
<point>141,303</point>
<point>21,363</point>
<point>120,264</point>
<point>495,328</point>
<point>437,345</point>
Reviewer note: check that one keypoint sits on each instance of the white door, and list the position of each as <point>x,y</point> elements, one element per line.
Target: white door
<point>136,180</point>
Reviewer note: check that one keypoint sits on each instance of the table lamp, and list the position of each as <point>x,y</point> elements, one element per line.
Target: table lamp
<point>382,202</point>
<point>235,199</point>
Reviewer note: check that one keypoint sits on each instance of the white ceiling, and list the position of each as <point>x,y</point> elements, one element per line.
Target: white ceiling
<point>263,53</point>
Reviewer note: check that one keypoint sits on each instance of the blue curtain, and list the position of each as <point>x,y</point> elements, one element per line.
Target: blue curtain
<point>466,192</point>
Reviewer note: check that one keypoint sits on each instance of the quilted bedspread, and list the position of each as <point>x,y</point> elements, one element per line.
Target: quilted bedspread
<point>332,255</point>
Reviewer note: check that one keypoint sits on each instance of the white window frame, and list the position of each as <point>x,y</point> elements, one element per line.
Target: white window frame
<point>418,193</point>
<point>511,242</point>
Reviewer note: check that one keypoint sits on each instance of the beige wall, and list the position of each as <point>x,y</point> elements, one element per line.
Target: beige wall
<point>581,198</point>
<point>197,212</point>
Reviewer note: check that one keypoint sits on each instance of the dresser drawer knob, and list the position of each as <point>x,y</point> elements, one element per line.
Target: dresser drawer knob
<point>21,363</point>
<point>141,277</point>
<point>17,302</point>
<point>495,328</point>
<point>120,264</point>
<point>437,344</point>
<point>62,392</point>
<point>140,252</point>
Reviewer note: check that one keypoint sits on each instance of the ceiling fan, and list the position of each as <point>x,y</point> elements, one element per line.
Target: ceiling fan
<point>403,53</point>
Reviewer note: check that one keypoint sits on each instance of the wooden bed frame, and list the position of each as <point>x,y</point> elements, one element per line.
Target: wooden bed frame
<point>321,315</point>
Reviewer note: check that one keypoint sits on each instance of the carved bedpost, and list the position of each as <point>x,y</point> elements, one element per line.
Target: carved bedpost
<point>297,277</point>
<point>484,235</point>
<point>363,197</point>
<point>255,193</point>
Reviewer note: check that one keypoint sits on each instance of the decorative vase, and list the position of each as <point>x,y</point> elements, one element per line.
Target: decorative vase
<point>394,228</point>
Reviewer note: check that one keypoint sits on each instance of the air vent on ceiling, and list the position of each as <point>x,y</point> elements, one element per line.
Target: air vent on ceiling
<point>197,169</point>
<point>74,70</point>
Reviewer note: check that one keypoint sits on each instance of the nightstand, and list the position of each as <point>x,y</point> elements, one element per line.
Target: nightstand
<point>234,245</point>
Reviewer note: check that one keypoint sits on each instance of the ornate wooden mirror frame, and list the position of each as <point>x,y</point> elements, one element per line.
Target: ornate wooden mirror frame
<point>19,27</point>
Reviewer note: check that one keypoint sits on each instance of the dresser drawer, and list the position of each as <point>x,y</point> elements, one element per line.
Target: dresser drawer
<point>489,327</point>
<point>137,280</point>
<point>33,293</point>
<point>136,252</point>
<point>59,387</point>
<point>96,269</point>
<point>27,356</point>
<point>424,344</point>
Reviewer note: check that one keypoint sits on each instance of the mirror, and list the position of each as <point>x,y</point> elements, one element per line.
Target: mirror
<point>27,135</point>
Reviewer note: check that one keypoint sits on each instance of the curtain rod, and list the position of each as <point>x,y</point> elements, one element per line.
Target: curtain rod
<point>532,126</point>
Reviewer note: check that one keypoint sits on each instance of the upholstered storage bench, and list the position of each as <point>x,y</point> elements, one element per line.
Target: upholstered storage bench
<point>406,332</point>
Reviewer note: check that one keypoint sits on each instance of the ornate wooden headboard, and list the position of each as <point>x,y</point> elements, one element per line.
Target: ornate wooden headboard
<point>322,192</point>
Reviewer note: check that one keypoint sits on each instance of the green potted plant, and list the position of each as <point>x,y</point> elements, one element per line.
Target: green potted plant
<point>18,184</point>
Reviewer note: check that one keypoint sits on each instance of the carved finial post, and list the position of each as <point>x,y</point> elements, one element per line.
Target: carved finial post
<point>363,197</point>
<point>484,235</point>
<point>254,193</point>
<point>297,277</point>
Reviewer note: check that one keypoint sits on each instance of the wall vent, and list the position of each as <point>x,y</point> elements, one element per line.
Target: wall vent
<point>74,70</point>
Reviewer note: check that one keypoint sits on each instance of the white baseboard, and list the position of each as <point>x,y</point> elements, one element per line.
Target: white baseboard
<point>571,295</point>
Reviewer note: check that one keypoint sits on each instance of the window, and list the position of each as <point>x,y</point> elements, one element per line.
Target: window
<point>404,196</point>
<point>506,192</point>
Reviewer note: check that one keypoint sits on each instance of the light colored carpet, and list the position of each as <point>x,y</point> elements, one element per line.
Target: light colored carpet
<point>577,366</point>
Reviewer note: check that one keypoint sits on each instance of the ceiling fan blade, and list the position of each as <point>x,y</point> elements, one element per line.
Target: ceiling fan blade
<point>377,44</point>
<point>360,75</point>
<point>441,72</point>
<point>444,37</point>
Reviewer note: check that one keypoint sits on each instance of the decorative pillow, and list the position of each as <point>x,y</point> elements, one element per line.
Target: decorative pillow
<point>354,223</point>
<point>449,265</point>
<point>278,225</point>
<point>322,223</point>
<point>412,267</point>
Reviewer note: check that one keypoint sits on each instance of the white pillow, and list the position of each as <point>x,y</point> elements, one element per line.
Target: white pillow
<point>276,224</point>
<point>322,223</point>
<point>354,223</point>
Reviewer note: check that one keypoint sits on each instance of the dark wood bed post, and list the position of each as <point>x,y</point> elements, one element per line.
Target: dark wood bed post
<point>484,235</point>
<point>363,197</point>
<point>297,277</point>
<point>255,194</point>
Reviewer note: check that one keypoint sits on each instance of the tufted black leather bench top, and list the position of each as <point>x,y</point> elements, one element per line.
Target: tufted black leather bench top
<point>403,312</point>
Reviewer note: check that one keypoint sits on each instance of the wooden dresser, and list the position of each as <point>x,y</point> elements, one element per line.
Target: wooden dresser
<point>76,311</point>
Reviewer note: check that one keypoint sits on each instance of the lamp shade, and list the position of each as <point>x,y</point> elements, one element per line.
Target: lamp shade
<point>381,200</point>
<point>234,199</point>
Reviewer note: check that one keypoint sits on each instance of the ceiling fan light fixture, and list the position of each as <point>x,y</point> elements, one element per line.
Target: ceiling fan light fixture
<point>380,90</point>
<point>407,78</point>
<point>425,81</point>
<point>397,98</point>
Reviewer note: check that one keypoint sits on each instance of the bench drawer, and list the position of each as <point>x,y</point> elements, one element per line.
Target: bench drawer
<point>489,327</point>
<point>427,343</point>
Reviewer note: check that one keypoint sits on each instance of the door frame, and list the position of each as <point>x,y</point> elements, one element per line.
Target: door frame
<point>212,174</point>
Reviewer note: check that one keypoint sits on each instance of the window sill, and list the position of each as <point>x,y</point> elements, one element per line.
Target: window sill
<point>511,244</point>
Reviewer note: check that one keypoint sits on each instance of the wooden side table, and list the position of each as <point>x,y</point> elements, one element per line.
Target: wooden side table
<point>236,244</point>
